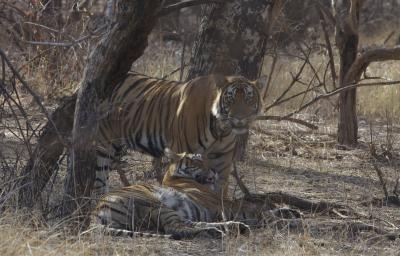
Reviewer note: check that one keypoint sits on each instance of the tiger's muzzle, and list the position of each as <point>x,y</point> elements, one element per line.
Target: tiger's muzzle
<point>239,126</point>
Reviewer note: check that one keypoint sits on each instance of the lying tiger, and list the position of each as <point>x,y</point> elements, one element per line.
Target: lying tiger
<point>206,113</point>
<point>187,208</point>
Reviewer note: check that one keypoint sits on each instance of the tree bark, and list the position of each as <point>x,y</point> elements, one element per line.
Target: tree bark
<point>347,22</point>
<point>232,41</point>
<point>44,159</point>
<point>107,64</point>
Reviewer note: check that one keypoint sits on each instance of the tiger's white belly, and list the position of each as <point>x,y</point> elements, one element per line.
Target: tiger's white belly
<point>185,207</point>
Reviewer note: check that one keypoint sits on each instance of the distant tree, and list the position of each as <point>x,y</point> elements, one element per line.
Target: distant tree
<point>353,62</point>
<point>347,23</point>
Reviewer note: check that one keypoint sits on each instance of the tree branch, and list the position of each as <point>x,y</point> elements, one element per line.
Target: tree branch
<point>239,181</point>
<point>295,79</point>
<point>188,3</point>
<point>341,89</point>
<point>30,90</point>
<point>328,45</point>
<point>274,60</point>
<point>68,44</point>
<point>290,119</point>
<point>370,55</point>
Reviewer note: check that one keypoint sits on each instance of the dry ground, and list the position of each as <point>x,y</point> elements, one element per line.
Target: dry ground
<point>281,157</point>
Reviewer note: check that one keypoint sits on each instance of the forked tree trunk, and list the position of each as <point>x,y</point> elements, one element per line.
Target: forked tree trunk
<point>347,22</point>
<point>50,146</point>
<point>107,64</point>
<point>232,41</point>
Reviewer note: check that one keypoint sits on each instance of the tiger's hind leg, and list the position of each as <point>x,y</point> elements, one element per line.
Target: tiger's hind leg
<point>107,159</point>
<point>135,216</point>
<point>173,224</point>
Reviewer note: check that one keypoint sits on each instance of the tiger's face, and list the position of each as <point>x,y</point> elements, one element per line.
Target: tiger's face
<point>237,105</point>
<point>191,166</point>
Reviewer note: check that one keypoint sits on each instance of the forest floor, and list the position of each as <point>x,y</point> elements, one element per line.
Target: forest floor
<point>281,157</point>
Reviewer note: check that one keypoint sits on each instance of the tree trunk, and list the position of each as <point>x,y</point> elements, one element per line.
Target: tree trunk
<point>44,159</point>
<point>347,21</point>
<point>232,41</point>
<point>107,64</point>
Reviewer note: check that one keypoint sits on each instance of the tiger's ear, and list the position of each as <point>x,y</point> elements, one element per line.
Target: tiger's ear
<point>172,156</point>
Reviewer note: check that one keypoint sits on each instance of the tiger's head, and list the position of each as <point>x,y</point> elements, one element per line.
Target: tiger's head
<point>190,166</point>
<point>237,103</point>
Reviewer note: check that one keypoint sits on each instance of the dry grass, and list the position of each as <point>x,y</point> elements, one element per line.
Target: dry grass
<point>281,157</point>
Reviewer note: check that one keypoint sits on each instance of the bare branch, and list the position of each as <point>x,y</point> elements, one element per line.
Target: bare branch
<point>389,37</point>
<point>341,89</point>
<point>271,72</point>
<point>239,181</point>
<point>355,7</point>
<point>294,80</point>
<point>293,96</point>
<point>68,44</point>
<point>328,46</point>
<point>381,180</point>
<point>42,26</point>
<point>61,44</point>
<point>370,55</point>
<point>188,3</point>
<point>33,93</point>
<point>327,12</point>
<point>290,119</point>
<point>396,188</point>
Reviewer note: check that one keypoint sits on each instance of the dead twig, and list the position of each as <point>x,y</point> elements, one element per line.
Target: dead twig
<point>328,45</point>
<point>388,37</point>
<point>32,92</point>
<point>396,187</point>
<point>239,181</point>
<point>290,119</point>
<point>267,86</point>
<point>366,56</point>
<point>174,71</point>
<point>69,44</point>
<point>339,90</point>
<point>188,3</point>
<point>381,180</point>
<point>295,78</point>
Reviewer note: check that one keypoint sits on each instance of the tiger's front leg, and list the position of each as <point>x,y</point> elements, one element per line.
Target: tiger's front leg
<point>106,159</point>
<point>222,164</point>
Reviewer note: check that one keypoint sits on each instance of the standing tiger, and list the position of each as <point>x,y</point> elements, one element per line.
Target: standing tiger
<point>187,208</point>
<point>206,113</point>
